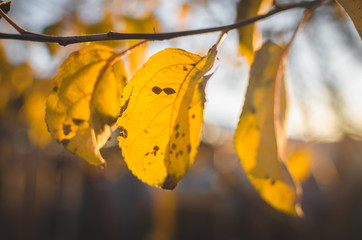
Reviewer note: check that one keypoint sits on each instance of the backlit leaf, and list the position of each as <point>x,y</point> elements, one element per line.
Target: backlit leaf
<point>354,10</point>
<point>259,137</point>
<point>84,102</point>
<point>161,116</point>
<point>249,36</point>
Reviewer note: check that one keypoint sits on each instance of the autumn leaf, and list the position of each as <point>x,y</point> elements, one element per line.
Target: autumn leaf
<point>84,102</point>
<point>354,10</point>
<point>259,137</point>
<point>249,36</point>
<point>161,116</point>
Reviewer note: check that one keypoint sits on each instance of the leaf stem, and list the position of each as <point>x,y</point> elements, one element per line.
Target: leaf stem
<point>66,40</point>
<point>221,39</point>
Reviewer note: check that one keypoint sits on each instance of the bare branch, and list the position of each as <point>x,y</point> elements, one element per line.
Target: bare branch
<point>66,40</point>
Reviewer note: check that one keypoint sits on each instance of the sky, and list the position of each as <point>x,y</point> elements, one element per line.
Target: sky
<point>326,55</point>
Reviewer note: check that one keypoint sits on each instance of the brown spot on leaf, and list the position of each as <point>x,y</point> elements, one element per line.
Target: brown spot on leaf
<point>170,182</point>
<point>177,134</point>
<point>55,88</point>
<point>155,149</point>
<point>183,135</point>
<point>173,146</point>
<point>177,126</point>
<point>188,148</point>
<point>181,152</point>
<point>76,54</point>
<point>185,68</point>
<point>156,90</point>
<point>273,181</point>
<point>123,132</point>
<point>65,142</point>
<point>124,107</point>
<point>67,129</point>
<point>147,154</point>
<point>193,116</point>
<point>169,91</point>
<point>252,109</point>
<point>77,121</point>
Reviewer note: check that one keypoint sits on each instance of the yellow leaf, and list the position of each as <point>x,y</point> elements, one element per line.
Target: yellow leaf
<point>354,10</point>
<point>84,102</point>
<point>258,137</point>
<point>249,36</point>
<point>161,116</point>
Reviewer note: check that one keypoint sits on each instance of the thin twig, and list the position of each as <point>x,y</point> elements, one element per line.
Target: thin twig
<point>66,40</point>
<point>12,23</point>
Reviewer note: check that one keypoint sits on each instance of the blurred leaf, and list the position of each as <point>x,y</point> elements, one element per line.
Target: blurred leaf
<point>259,137</point>
<point>300,162</point>
<point>55,29</point>
<point>14,81</point>
<point>184,11</point>
<point>161,116</point>
<point>249,36</point>
<point>354,10</point>
<point>33,112</point>
<point>139,25</point>
<point>106,24</point>
<point>84,102</point>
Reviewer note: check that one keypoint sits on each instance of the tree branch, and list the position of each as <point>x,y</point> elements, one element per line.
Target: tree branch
<point>66,40</point>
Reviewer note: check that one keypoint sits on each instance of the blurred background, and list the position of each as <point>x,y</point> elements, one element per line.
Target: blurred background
<point>48,193</point>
